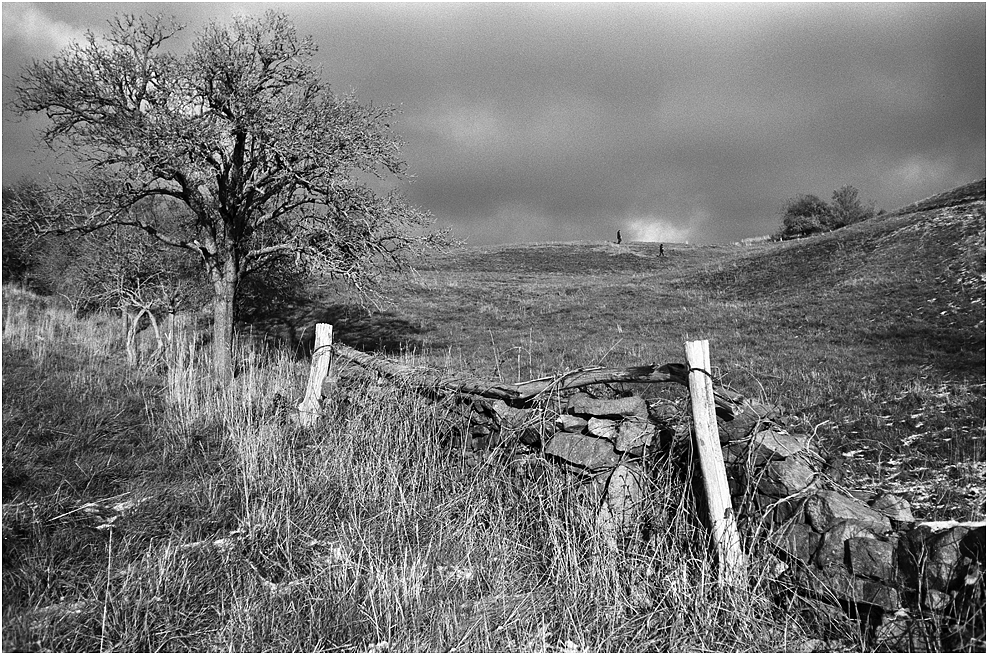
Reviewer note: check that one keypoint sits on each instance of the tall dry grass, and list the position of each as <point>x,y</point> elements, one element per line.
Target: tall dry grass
<point>228,527</point>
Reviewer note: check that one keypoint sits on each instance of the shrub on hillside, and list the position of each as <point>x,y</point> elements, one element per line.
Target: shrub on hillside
<point>804,215</point>
<point>45,263</point>
<point>846,208</point>
<point>19,240</point>
<point>117,268</point>
<point>808,214</point>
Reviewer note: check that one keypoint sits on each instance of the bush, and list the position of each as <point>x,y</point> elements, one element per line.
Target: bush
<point>19,240</point>
<point>111,268</point>
<point>808,214</point>
<point>845,208</point>
<point>803,216</point>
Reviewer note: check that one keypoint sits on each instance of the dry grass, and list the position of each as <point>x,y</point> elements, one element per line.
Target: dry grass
<point>145,511</point>
<point>873,335</point>
<point>163,515</point>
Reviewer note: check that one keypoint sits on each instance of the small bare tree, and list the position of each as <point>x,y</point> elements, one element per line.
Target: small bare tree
<point>137,301</point>
<point>267,162</point>
<point>132,274</point>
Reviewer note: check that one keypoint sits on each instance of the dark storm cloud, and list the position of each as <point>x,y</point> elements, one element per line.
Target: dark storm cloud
<point>536,121</point>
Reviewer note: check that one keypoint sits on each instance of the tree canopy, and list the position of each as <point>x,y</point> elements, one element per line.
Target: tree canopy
<point>808,214</point>
<point>846,208</point>
<point>267,161</point>
<point>804,215</point>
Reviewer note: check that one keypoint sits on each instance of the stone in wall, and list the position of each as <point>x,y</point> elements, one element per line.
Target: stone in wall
<point>796,541</point>
<point>626,434</point>
<point>900,631</point>
<point>493,423</point>
<point>661,411</point>
<point>941,571</point>
<point>834,582</point>
<point>783,510</point>
<point>586,452</point>
<point>749,415</point>
<point>509,418</point>
<point>783,478</point>
<point>826,508</point>
<point>570,423</point>
<point>868,557</point>
<point>621,508</point>
<point>833,545</point>
<point>582,404</point>
<point>773,462</point>
<point>942,558</point>
<point>895,508</point>
<point>778,444</point>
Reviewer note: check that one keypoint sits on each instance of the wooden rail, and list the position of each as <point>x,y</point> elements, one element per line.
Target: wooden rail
<point>433,382</point>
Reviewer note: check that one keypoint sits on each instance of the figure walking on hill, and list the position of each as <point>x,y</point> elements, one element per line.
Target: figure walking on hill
<point>662,250</point>
<point>619,237</point>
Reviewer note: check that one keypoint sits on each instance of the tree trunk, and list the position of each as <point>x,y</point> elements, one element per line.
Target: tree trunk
<point>223,293</point>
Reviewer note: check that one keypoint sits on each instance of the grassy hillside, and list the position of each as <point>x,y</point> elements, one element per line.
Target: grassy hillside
<point>966,193</point>
<point>142,510</point>
<point>874,334</point>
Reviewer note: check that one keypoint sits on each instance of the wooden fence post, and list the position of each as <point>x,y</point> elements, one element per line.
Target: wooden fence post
<point>309,410</point>
<point>723,526</point>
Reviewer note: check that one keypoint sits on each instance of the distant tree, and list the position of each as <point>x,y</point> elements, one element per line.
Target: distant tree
<point>804,215</point>
<point>45,263</point>
<point>20,242</point>
<point>846,208</point>
<point>267,162</point>
<point>808,214</point>
<point>115,268</point>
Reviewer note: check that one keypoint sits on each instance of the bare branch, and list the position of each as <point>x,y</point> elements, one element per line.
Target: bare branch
<point>240,130</point>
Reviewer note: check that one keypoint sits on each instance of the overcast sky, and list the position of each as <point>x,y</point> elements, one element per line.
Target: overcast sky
<point>670,122</point>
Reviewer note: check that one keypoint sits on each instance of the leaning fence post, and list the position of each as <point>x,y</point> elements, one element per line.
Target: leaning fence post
<point>310,410</point>
<point>723,527</point>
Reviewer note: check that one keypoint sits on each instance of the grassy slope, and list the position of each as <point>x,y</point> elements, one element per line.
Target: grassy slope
<point>143,512</point>
<point>873,334</point>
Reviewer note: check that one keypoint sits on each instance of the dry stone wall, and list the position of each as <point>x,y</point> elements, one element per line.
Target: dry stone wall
<point>920,585</point>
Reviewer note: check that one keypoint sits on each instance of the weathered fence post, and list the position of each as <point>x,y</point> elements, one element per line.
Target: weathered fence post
<point>723,526</point>
<point>309,410</point>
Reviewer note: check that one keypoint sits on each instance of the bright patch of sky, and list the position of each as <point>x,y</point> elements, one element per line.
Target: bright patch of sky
<point>654,229</point>
<point>37,31</point>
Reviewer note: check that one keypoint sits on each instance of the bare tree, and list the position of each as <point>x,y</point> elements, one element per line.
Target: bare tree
<point>134,275</point>
<point>267,161</point>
